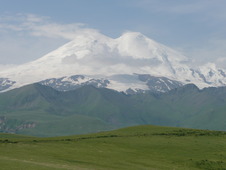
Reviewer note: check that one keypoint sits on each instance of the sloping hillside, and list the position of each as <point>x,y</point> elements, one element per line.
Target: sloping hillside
<point>140,147</point>
<point>42,111</point>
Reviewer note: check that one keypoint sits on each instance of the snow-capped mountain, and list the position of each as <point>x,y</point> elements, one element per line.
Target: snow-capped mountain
<point>130,62</point>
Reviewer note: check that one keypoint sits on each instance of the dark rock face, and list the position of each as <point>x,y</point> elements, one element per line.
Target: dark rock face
<point>74,82</point>
<point>155,84</point>
<point>159,84</point>
<point>13,125</point>
<point>67,83</point>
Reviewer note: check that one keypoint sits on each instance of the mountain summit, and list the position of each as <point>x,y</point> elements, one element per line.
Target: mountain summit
<point>120,63</point>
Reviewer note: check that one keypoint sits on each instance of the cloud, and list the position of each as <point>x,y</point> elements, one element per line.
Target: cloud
<point>32,36</point>
<point>211,51</point>
<point>53,30</point>
<point>221,62</point>
<point>8,66</point>
<point>41,26</point>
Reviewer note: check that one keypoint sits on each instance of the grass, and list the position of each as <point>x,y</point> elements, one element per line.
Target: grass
<point>140,147</point>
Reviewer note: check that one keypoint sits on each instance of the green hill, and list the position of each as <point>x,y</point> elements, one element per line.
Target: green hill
<point>39,110</point>
<point>140,147</point>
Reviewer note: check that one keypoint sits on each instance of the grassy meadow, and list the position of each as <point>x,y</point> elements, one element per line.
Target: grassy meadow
<point>140,147</point>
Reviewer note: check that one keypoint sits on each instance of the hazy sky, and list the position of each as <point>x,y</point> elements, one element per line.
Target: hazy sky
<point>31,28</point>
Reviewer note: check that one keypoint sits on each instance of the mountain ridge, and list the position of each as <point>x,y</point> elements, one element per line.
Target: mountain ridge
<point>43,111</point>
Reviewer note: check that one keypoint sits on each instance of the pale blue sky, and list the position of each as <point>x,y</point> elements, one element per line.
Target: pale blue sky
<point>194,27</point>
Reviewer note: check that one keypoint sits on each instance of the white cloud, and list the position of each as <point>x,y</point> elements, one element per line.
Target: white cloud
<point>221,62</point>
<point>33,18</point>
<point>8,66</point>
<point>41,26</point>
<point>31,36</point>
<point>211,51</point>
